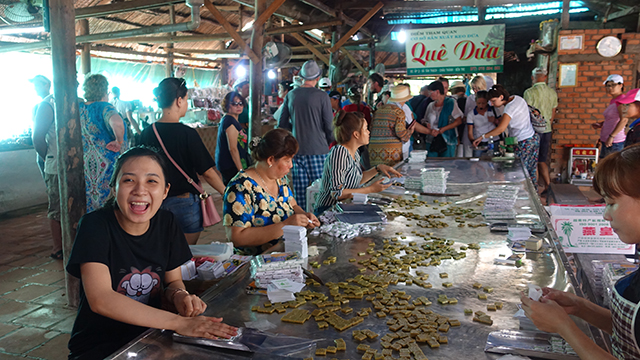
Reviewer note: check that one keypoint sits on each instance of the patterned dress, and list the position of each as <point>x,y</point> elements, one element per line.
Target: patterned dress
<point>98,160</point>
<point>247,204</point>
<point>388,132</point>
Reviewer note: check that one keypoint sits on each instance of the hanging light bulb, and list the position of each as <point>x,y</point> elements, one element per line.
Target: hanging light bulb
<point>241,71</point>
<point>271,74</point>
<point>402,36</point>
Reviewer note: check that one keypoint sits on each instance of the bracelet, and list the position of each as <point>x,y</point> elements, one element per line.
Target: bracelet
<point>175,291</point>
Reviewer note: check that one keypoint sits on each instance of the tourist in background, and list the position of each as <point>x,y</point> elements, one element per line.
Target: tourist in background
<point>612,134</point>
<point>232,149</point>
<point>335,97</point>
<point>283,89</point>
<point>517,119</point>
<point>241,86</point>
<point>480,121</point>
<point>258,202</point>
<point>103,138</point>
<point>389,129</point>
<point>629,107</point>
<point>307,114</point>
<point>442,118</point>
<point>185,146</point>
<point>545,99</point>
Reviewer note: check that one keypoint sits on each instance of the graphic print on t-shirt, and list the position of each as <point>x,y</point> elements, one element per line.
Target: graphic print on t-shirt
<point>139,285</point>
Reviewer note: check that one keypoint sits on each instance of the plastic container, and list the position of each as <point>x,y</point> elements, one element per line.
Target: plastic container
<point>216,250</point>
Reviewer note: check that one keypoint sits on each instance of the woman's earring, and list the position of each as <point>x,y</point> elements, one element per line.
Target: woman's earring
<point>270,166</point>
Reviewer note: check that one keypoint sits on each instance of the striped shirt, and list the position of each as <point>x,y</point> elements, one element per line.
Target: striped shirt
<point>543,98</point>
<point>341,171</point>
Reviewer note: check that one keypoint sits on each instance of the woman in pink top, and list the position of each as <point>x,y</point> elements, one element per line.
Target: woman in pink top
<point>612,134</point>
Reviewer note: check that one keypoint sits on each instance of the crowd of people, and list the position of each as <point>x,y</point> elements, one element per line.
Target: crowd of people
<point>144,202</point>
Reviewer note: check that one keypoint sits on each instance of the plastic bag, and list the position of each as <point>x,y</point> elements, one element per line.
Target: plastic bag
<point>278,344</point>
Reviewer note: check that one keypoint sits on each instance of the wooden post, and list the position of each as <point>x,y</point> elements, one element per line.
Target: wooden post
<point>333,57</point>
<point>68,128</point>
<point>372,57</point>
<point>256,76</point>
<point>565,14</point>
<point>85,54</point>
<point>224,72</point>
<point>169,63</point>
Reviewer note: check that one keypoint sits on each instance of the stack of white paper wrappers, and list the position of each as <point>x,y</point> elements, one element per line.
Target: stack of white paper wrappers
<point>418,156</point>
<point>500,202</point>
<point>434,180</point>
<point>295,240</point>
<point>290,269</point>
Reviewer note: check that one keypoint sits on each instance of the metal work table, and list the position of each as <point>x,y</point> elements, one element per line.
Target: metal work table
<point>468,178</point>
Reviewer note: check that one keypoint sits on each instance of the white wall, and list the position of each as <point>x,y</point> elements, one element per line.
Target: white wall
<point>21,184</point>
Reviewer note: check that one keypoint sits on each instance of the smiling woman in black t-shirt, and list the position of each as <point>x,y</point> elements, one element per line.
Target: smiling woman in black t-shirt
<point>127,255</point>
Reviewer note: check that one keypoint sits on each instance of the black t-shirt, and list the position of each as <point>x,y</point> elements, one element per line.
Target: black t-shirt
<point>137,265</point>
<point>186,148</point>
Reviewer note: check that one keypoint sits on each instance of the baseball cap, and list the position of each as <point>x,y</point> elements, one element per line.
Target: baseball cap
<point>335,95</point>
<point>40,78</point>
<point>615,78</point>
<point>240,82</point>
<point>324,82</point>
<point>456,84</point>
<point>631,96</point>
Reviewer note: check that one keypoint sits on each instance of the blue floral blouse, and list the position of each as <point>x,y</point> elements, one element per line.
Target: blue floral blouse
<point>247,204</point>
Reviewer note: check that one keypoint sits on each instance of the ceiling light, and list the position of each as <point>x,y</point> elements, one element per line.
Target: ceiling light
<point>402,36</point>
<point>248,25</point>
<point>241,71</point>
<point>271,74</point>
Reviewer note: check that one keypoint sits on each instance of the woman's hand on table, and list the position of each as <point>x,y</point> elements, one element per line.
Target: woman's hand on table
<point>299,220</point>
<point>388,171</point>
<point>188,305</point>
<point>114,146</point>
<point>313,221</point>
<point>206,327</point>
<point>547,315</point>
<point>378,186</point>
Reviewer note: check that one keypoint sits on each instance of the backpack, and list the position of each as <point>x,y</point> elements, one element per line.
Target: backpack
<point>537,120</point>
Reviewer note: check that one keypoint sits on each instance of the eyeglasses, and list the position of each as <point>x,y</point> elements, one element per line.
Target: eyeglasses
<point>237,104</point>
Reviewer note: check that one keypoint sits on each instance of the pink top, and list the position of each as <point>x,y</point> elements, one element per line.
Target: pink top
<point>611,119</point>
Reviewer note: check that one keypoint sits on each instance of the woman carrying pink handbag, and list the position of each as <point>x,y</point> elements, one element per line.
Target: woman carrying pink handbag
<point>182,145</point>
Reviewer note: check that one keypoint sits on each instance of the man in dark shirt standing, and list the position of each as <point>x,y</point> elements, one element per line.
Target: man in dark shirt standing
<point>307,113</point>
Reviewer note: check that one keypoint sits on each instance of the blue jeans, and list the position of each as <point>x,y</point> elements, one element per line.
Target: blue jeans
<point>187,212</point>
<point>479,153</point>
<point>615,147</point>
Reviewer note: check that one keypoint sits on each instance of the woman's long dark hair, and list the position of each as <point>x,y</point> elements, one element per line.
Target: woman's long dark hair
<point>169,90</point>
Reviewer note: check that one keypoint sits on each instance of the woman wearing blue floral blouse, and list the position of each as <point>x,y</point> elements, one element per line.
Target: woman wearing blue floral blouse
<point>258,201</point>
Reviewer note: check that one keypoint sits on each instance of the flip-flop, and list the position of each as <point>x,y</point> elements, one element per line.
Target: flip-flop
<point>57,255</point>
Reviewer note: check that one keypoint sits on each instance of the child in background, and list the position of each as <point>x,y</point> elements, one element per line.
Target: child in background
<point>480,121</point>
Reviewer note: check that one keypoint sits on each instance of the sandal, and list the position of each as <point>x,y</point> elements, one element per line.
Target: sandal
<point>57,255</point>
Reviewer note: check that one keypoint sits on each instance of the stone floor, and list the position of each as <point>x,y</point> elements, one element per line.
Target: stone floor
<point>35,321</point>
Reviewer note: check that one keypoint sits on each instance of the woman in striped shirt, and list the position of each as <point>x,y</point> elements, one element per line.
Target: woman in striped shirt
<point>342,175</point>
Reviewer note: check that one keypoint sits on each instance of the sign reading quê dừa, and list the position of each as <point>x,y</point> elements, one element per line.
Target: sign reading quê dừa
<point>455,50</point>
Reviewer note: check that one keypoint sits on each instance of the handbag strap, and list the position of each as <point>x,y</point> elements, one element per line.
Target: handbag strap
<point>189,179</point>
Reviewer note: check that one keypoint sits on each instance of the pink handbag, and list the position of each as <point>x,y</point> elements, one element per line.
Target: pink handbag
<point>210,215</point>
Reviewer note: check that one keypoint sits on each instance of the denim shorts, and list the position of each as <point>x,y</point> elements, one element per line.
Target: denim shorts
<point>187,211</point>
<point>615,147</point>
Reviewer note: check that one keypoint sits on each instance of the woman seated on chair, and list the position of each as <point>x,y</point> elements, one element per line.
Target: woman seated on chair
<point>342,175</point>
<point>258,201</point>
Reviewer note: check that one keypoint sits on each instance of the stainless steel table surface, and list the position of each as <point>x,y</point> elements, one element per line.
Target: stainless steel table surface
<point>468,178</point>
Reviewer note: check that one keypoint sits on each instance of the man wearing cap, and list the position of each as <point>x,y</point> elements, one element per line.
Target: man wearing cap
<point>242,87</point>
<point>307,113</point>
<point>545,99</point>
<point>325,84</point>
<point>612,136</point>
<point>45,143</point>
<point>335,97</point>
<point>629,107</point>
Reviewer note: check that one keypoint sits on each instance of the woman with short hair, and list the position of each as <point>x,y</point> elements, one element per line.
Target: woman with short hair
<point>616,180</point>
<point>103,138</point>
<point>258,201</point>
<point>612,135</point>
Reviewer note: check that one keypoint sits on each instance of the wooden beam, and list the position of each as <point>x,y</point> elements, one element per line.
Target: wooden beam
<point>229,28</point>
<point>118,50</point>
<point>357,27</point>
<point>426,5</point>
<point>320,5</point>
<point>311,48</point>
<point>326,46</point>
<point>256,70</point>
<point>355,62</point>
<point>622,13</point>
<point>301,28</point>
<point>69,132</point>
<point>565,14</point>
<point>268,12</point>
